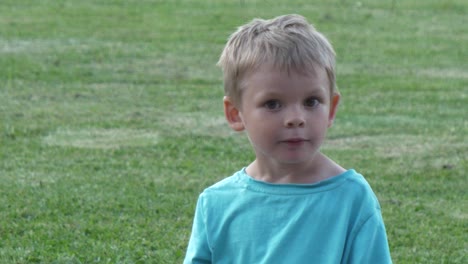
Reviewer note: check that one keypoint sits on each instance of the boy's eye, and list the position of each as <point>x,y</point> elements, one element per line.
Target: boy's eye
<point>272,104</point>
<point>311,102</point>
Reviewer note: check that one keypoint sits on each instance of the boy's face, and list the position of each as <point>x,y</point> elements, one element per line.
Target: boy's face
<point>286,116</point>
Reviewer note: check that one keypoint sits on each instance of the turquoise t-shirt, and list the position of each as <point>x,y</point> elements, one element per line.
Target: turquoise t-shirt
<point>242,220</point>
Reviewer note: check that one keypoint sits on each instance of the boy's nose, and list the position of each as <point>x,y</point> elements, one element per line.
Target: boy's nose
<point>295,118</point>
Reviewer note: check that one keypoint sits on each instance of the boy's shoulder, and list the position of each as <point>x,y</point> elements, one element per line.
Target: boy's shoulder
<point>229,183</point>
<point>360,190</point>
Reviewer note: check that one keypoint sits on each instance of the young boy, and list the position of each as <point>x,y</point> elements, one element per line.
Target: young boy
<point>292,204</point>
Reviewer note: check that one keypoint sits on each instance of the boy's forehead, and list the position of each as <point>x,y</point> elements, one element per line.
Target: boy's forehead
<point>269,68</point>
<point>274,79</point>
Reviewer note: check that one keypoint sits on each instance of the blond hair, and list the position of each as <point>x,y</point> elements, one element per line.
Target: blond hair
<point>286,42</point>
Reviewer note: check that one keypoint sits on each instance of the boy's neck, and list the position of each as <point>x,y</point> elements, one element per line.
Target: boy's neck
<point>318,169</point>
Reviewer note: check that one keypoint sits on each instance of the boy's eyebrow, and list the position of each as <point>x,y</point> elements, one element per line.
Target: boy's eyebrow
<point>271,94</point>
<point>319,90</point>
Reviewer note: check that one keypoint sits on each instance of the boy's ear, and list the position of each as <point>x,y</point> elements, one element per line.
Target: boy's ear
<point>233,115</point>
<point>334,102</point>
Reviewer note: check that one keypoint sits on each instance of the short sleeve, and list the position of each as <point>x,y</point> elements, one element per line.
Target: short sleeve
<point>198,250</point>
<point>370,244</point>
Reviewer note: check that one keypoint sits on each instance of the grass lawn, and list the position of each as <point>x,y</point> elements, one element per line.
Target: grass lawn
<point>111,121</point>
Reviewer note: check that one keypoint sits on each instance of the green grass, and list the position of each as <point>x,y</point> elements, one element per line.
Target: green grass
<point>111,121</point>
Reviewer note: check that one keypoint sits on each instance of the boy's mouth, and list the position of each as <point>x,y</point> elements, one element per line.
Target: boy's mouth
<point>294,141</point>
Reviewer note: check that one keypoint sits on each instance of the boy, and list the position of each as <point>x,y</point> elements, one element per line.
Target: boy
<point>292,204</point>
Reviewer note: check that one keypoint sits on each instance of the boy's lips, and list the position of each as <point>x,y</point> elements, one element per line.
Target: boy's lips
<point>294,140</point>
